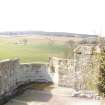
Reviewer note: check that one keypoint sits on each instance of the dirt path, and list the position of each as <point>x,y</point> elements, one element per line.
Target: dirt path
<point>55,97</point>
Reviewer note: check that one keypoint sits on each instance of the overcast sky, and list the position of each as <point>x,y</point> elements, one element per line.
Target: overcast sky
<point>77,16</point>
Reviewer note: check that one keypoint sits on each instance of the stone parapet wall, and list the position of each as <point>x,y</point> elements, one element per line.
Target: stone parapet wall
<point>80,72</point>
<point>7,76</point>
<point>32,73</point>
<point>14,74</point>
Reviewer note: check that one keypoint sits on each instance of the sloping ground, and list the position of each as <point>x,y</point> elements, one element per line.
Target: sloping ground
<point>55,96</point>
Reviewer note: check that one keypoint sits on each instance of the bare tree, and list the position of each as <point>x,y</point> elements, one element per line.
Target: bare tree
<point>25,41</point>
<point>69,48</point>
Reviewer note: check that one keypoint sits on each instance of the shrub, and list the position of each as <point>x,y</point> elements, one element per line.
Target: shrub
<point>101,83</point>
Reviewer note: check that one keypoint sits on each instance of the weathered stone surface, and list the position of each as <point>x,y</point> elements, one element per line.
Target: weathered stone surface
<point>13,74</point>
<point>81,72</point>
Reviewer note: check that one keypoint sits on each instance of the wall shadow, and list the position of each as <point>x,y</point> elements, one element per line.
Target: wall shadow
<point>33,92</point>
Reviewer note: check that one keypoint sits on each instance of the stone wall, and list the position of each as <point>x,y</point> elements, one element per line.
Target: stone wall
<point>64,69</point>
<point>81,72</point>
<point>32,73</point>
<point>13,74</point>
<point>86,67</point>
<point>7,76</point>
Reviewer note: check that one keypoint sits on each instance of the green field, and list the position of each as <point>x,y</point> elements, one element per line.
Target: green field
<point>33,52</point>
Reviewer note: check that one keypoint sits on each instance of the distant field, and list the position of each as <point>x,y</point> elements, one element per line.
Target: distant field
<point>36,50</point>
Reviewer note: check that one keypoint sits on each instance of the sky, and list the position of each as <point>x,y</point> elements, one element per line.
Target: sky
<point>75,16</point>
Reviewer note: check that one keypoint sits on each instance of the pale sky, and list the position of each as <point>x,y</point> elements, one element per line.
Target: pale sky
<point>76,16</point>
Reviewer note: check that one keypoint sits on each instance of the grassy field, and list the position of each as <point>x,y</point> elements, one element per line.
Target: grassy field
<point>37,50</point>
